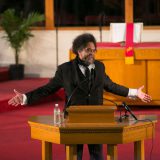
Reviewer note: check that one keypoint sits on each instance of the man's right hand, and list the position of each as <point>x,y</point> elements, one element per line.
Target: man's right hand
<point>17,99</point>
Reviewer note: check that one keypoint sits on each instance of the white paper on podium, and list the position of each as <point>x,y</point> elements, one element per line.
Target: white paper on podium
<point>118,32</point>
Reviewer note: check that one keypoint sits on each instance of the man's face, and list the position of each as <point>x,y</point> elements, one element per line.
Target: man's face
<point>88,54</point>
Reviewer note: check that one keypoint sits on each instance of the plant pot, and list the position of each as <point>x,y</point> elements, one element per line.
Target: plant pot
<point>16,71</point>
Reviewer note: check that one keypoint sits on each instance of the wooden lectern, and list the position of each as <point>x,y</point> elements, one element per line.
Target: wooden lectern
<point>91,114</point>
<point>92,125</point>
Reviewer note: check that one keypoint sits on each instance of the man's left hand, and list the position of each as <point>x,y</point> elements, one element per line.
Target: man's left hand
<point>143,96</point>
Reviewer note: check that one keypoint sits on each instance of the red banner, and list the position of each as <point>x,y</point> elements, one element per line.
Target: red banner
<point>129,53</point>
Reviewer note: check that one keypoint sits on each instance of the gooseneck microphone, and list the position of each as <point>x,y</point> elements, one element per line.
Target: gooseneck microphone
<point>129,110</point>
<point>111,101</point>
<point>120,112</point>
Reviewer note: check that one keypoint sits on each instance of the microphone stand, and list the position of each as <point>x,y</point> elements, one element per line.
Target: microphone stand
<point>127,109</point>
<point>125,116</point>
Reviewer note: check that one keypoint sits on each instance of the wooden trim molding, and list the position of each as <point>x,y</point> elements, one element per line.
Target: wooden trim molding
<point>49,13</point>
<point>49,20</point>
<point>128,11</point>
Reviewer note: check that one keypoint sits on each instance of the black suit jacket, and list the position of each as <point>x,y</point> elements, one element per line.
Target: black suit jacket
<point>69,77</point>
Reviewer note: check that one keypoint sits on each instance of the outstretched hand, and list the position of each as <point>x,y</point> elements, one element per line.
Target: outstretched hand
<point>17,99</point>
<point>143,96</point>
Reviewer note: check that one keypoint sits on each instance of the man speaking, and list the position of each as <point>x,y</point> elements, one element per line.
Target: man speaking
<point>83,80</point>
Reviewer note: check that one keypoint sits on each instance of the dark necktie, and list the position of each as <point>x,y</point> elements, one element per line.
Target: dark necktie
<point>90,76</point>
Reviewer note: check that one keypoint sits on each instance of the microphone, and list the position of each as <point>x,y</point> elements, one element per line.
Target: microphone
<point>129,110</point>
<point>120,112</point>
<point>112,102</point>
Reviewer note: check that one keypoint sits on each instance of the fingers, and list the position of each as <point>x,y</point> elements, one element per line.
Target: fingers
<point>16,100</point>
<point>146,101</point>
<point>143,96</point>
<point>142,87</point>
<point>146,98</point>
<point>16,92</point>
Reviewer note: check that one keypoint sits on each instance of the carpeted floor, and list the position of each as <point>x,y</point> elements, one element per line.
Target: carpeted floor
<point>15,141</point>
<point>6,87</point>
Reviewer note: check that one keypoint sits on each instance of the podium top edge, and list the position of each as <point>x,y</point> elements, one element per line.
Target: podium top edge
<point>91,108</point>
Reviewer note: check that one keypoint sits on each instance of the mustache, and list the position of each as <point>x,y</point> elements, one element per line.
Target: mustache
<point>87,59</point>
<point>88,56</point>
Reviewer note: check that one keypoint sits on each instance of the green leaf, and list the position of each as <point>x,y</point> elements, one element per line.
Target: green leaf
<point>17,29</point>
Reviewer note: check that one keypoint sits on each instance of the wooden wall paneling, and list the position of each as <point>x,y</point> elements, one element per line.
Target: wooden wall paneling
<point>154,79</point>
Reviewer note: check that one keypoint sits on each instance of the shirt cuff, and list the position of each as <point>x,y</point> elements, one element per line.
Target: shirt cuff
<point>133,93</point>
<point>24,102</point>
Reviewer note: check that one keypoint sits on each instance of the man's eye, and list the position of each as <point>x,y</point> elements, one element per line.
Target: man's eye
<point>90,50</point>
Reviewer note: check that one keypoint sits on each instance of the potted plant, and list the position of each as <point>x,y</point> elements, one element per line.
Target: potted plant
<point>17,31</point>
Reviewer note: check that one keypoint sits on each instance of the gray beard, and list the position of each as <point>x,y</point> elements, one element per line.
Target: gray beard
<point>87,62</point>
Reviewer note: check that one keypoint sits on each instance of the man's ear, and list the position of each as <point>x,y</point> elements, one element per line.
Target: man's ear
<point>78,53</point>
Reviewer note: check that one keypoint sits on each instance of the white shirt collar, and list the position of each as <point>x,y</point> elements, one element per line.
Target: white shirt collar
<point>82,68</point>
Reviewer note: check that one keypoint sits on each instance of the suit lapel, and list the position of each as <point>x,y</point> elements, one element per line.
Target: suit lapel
<point>98,76</point>
<point>77,80</point>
